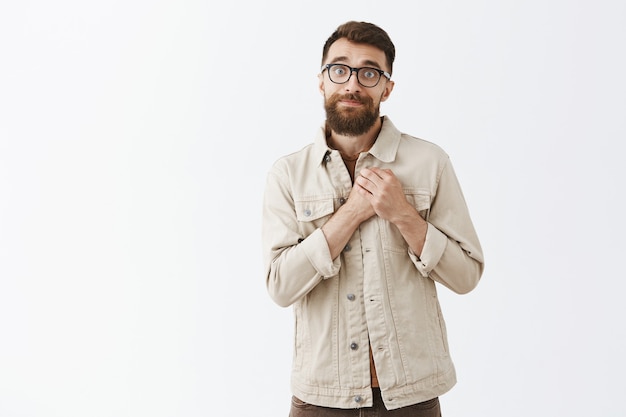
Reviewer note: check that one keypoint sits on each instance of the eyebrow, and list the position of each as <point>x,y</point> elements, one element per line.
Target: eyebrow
<point>367,62</point>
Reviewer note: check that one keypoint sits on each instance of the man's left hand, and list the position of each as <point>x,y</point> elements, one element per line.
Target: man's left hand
<point>384,192</point>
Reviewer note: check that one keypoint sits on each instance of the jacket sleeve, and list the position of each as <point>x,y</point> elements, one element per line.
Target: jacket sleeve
<point>452,254</point>
<point>294,264</point>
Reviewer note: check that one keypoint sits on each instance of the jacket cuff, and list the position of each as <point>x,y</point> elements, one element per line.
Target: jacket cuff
<point>315,247</point>
<point>434,246</point>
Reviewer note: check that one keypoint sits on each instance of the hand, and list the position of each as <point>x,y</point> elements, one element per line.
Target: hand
<point>359,205</point>
<point>382,189</point>
<point>341,226</point>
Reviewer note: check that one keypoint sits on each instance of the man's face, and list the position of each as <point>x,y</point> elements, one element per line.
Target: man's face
<point>352,109</point>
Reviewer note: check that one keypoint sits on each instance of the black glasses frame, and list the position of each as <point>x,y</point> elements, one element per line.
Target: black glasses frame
<point>379,71</point>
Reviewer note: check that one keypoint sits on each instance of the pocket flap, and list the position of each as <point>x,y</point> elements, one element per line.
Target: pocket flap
<point>420,199</point>
<point>307,211</point>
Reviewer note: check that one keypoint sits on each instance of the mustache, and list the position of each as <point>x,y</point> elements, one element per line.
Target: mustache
<point>350,96</point>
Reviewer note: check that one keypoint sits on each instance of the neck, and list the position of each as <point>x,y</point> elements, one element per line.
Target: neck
<point>351,146</point>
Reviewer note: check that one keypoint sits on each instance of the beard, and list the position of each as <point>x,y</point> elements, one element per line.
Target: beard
<point>350,121</point>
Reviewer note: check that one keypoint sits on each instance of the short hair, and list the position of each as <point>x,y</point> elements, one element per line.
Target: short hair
<point>366,33</point>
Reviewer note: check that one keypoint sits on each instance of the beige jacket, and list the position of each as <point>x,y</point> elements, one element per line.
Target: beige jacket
<point>377,291</point>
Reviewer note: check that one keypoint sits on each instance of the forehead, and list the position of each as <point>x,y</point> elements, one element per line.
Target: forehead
<point>355,54</point>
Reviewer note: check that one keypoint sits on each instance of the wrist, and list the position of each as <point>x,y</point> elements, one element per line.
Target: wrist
<point>352,215</point>
<point>409,218</point>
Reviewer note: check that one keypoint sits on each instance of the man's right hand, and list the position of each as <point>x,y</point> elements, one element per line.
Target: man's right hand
<point>359,205</point>
<point>341,226</point>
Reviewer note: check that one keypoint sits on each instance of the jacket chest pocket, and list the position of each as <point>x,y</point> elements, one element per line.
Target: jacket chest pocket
<point>313,213</point>
<point>392,238</point>
<point>420,199</point>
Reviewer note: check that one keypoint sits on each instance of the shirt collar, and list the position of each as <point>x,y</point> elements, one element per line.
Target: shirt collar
<point>384,149</point>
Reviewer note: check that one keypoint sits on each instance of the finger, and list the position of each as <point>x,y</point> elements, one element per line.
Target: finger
<point>371,176</point>
<point>383,173</point>
<point>363,191</point>
<point>371,172</point>
<point>363,183</point>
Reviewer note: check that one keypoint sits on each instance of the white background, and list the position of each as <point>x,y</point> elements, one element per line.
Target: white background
<point>135,137</point>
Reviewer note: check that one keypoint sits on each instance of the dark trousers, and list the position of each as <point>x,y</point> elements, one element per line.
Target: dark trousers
<point>428,408</point>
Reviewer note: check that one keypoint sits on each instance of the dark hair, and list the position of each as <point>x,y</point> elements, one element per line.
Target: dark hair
<point>363,32</point>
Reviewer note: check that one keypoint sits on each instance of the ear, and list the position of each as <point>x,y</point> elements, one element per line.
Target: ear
<point>387,91</point>
<point>320,86</point>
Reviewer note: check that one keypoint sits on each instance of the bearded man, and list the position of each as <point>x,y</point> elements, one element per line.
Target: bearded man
<point>359,229</point>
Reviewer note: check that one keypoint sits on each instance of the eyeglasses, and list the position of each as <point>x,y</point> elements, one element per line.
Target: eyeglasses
<point>366,76</point>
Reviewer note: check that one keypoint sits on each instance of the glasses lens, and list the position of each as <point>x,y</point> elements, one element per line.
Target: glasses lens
<point>339,73</point>
<point>368,77</point>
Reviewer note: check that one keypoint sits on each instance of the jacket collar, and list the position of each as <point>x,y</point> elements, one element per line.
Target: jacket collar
<point>384,149</point>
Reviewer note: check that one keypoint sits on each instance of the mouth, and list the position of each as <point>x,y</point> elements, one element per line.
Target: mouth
<point>350,103</point>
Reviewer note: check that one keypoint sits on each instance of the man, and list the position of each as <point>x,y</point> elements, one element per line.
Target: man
<point>357,229</point>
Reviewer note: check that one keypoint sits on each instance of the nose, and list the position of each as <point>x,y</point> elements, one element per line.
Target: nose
<point>353,82</point>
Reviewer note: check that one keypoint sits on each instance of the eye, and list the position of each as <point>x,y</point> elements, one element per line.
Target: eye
<point>339,70</point>
<point>369,73</point>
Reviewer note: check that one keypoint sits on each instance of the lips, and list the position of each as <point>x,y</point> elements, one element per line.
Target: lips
<point>351,100</point>
<point>351,103</point>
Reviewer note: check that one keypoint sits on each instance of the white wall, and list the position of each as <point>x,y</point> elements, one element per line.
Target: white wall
<point>134,141</point>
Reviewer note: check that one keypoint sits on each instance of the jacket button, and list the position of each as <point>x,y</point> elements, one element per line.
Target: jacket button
<point>351,297</point>
<point>354,346</point>
<point>327,157</point>
<point>358,399</point>
<point>307,212</point>
<point>342,200</point>
<point>347,248</point>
